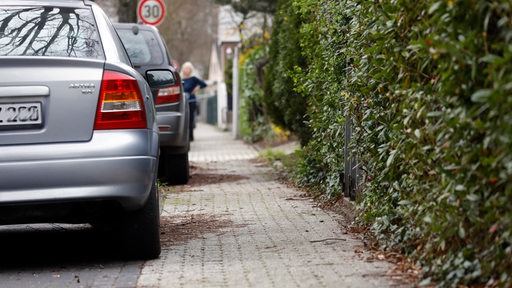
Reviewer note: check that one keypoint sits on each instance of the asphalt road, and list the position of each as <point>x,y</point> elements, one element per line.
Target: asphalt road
<point>233,225</point>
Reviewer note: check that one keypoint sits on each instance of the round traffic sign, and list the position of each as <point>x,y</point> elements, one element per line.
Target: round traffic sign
<point>151,12</point>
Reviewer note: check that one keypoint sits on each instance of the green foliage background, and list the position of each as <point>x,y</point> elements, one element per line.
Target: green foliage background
<point>285,105</point>
<point>254,122</point>
<point>427,85</point>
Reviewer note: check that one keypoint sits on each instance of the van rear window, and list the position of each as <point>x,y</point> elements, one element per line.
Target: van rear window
<point>142,48</point>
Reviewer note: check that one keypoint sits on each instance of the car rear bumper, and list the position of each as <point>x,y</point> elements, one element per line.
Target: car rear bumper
<point>118,167</point>
<point>173,130</point>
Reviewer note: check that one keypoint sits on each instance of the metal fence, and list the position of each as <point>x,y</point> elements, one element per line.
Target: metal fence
<point>352,176</point>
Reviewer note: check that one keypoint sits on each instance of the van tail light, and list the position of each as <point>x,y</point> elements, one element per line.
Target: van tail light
<point>171,94</point>
<point>121,104</point>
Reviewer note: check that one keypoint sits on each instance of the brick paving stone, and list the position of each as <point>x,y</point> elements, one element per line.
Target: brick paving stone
<point>277,237</point>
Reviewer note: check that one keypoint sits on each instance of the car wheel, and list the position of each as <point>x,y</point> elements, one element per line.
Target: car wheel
<point>181,166</point>
<point>174,169</point>
<point>140,230</point>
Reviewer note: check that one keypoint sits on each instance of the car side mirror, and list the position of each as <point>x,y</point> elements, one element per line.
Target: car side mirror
<point>160,78</point>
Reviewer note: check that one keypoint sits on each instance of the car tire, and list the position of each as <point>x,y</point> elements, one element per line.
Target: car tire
<point>140,230</point>
<point>174,168</point>
<point>182,168</point>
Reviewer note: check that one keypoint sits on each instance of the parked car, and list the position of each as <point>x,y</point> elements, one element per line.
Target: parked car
<point>78,135</point>
<point>148,52</point>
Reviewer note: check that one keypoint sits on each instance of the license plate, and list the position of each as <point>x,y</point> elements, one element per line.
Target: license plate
<point>20,114</point>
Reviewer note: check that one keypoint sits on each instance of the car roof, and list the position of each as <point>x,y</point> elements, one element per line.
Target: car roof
<point>141,26</point>
<point>43,2</point>
<point>61,3</point>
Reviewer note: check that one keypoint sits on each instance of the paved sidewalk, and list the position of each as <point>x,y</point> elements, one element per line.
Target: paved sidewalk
<point>212,145</point>
<point>264,233</point>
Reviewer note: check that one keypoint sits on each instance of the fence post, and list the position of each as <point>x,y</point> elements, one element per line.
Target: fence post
<point>351,166</point>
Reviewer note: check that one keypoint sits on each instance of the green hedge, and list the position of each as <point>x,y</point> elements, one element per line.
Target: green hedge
<point>428,87</point>
<point>254,122</point>
<point>285,105</point>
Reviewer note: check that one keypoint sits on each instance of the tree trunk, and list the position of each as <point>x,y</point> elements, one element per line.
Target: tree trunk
<point>127,11</point>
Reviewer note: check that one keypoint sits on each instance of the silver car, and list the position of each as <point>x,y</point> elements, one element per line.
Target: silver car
<point>78,136</point>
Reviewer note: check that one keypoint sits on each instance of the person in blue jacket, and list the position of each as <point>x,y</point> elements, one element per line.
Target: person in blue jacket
<point>191,84</point>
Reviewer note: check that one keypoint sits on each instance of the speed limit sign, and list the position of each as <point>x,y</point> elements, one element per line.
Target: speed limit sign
<point>151,12</point>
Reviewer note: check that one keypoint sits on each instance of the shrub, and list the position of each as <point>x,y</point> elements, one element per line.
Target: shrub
<point>285,106</point>
<point>426,85</point>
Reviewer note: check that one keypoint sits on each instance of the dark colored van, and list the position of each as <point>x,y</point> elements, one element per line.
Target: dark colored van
<point>147,51</point>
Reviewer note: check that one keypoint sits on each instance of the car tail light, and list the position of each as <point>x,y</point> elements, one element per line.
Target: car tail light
<point>171,94</point>
<point>121,105</point>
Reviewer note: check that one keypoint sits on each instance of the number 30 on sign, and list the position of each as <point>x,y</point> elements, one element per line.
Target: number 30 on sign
<point>151,12</point>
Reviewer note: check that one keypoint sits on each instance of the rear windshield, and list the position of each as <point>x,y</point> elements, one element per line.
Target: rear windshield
<point>142,48</point>
<point>49,31</point>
